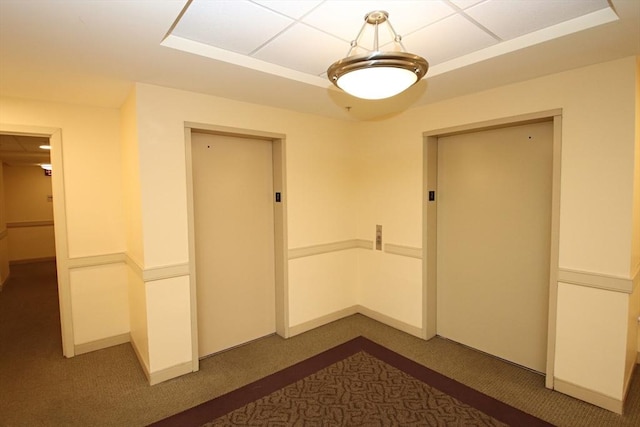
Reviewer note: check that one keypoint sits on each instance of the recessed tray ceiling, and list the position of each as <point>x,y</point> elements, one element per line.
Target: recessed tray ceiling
<point>300,39</point>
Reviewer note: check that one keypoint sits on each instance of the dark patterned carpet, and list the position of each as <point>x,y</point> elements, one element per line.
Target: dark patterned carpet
<point>358,383</point>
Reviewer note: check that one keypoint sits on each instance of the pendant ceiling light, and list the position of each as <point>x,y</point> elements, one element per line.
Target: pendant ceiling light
<point>376,74</point>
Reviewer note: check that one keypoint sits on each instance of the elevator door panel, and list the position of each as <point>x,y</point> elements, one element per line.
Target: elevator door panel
<point>234,240</point>
<point>494,236</point>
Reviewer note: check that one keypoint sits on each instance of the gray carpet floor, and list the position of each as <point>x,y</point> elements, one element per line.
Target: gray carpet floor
<point>39,387</point>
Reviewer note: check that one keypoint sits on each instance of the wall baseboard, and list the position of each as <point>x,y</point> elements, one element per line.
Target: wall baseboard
<point>390,321</point>
<point>349,311</point>
<point>170,373</point>
<point>141,361</point>
<point>590,396</point>
<point>164,374</point>
<point>322,320</point>
<point>101,343</point>
<point>31,260</point>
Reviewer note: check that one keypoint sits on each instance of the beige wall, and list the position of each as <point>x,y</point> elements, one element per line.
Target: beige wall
<point>133,229</point>
<point>26,194</point>
<point>343,178</point>
<point>94,213</point>
<point>131,179</point>
<point>90,138</point>
<point>26,200</point>
<point>321,208</point>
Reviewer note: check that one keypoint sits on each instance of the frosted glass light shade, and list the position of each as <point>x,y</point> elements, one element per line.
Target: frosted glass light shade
<point>377,75</point>
<point>376,83</point>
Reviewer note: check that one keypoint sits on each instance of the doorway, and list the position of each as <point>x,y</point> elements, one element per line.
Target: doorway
<point>54,136</point>
<point>237,233</point>
<point>478,271</point>
<point>28,199</point>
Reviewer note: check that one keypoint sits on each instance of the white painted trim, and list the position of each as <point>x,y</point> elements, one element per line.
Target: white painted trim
<point>134,265</point>
<point>350,311</point>
<point>429,236</point>
<point>627,384</point>
<point>170,373</point>
<point>325,248</point>
<point>163,375</point>
<point>141,361</point>
<point>23,224</point>
<point>165,272</point>
<point>231,131</point>
<point>503,122</point>
<point>278,144</point>
<point>281,250</point>
<point>390,321</point>
<point>193,300</point>
<point>590,396</point>
<point>96,260</point>
<point>102,343</point>
<point>364,244</point>
<point>322,320</point>
<point>407,251</point>
<point>146,274</point>
<point>554,250</point>
<point>597,280</point>
<point>4,233</point>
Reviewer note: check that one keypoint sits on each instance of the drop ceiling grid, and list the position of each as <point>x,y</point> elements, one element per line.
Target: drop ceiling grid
<point>307,36</point>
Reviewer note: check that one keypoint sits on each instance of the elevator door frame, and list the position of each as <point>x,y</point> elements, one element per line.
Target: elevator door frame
<point>280,224</point>
<point>429,217</point>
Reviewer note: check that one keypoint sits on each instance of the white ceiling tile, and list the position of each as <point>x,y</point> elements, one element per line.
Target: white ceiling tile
<point>235,25</point>
<point>345,18</point>
<point>293,9</point>
<point>304,49</point>
<point>463,4</point>
<point>447,39</point>
<point>509,19</point>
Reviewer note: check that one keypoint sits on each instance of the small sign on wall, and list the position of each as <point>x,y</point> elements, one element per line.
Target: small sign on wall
<point>47,172</point>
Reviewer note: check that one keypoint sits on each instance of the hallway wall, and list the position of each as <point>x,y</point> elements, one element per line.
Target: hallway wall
<point>94,215</point>
<point>319,188</point>
<point>29,213</point>
<point>343,178</point>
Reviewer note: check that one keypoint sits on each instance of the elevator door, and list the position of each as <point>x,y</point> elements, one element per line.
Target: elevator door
<point>494,236</point>
<point>234,240</point>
